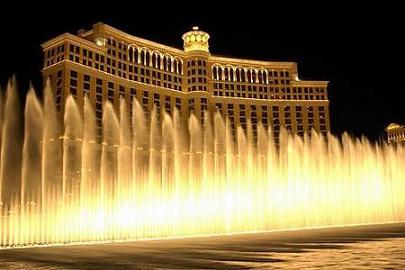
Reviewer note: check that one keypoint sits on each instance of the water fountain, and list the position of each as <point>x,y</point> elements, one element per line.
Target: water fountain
<point>169,178</point>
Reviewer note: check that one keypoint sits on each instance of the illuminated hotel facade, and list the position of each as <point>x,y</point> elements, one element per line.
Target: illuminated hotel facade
<point>395,134</point>
<point>108,64</point>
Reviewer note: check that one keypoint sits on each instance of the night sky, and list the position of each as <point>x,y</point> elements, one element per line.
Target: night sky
<point>359,50</point>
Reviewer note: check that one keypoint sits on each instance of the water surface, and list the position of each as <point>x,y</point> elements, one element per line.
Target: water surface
<point>365,247</point>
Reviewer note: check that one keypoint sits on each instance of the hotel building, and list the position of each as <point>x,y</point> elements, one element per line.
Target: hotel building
<point>395,134</point>
<point>108,64</point>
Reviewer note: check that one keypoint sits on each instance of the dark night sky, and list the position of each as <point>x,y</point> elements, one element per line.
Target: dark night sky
<point>359,50</point>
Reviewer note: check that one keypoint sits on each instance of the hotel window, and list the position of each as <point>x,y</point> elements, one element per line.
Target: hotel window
<point>321,115</point>
<point>133,92</point>
<point>178,104</point>
<point>99,114</point>
<point>73,74</point>
<point>86,86</point>
<point>73,90</point>
<point>122,91</point>
<point>99,107</point>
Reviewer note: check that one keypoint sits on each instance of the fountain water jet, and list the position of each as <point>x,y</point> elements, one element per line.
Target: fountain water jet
<point>157,175</point>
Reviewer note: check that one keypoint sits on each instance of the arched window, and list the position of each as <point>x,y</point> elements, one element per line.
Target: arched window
<point>253,76</point>
<point>158,59</point>
<point>136,55</point>
<point>147,58</point>
<point>169,64</point>
<point>264,77</point>
<point>260,76</point>
<point>179,67</point>
<point>238,75</point>
<point>226,74</point>
<point>130,54</point>
<point>249,76</point>
<point>219,73</point>
<point>154,64</point>
<point>214,73</point>
<point>142,57</point>
<point>242,75</point>
<point>164,62</point>
<point>231,74</point>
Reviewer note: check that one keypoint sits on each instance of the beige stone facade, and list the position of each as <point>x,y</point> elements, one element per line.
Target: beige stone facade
<point>108,64</point>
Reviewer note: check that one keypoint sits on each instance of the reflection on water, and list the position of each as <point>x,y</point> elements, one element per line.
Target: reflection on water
<point>367,247</point>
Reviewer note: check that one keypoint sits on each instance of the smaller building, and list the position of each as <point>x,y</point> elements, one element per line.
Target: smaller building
<point>395,133</point>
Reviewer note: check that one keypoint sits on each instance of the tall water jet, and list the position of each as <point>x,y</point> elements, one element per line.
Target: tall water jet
<point>72,143</point>
<point>90,162</point>
<point>1,135</point>
<point>168,146</point>
<point>31,181</point>
<point>195,158</point>
<point>51,183</point>
<point>139,142</point>
<point>124,152</point>
<point>10,156</point>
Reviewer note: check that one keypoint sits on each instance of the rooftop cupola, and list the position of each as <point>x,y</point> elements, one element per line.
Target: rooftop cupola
<point>196,40</point>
